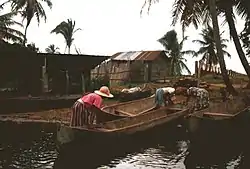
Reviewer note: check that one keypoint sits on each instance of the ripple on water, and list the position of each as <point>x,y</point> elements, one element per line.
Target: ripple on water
<point>152,158</point>
<point>38,153</point>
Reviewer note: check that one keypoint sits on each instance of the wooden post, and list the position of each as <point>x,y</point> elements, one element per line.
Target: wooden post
<point>196,69</point>
<point>45,79</point>
<point>67,81</point>
<point>146,72</point>
<point>83,82</point>
<point>199,73</point>
<point>110,74</point>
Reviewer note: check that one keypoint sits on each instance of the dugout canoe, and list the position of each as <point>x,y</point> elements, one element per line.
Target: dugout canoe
<point>220,121</point>
<point>133,108</point>
<point>120,128</point>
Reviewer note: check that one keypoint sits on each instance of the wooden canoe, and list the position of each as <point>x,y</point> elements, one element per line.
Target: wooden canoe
<point>120,127</point>
<point>133,108</point>
<point>220,119</point>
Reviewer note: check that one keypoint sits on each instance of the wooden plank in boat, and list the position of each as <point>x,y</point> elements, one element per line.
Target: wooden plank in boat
<point>218,114</point>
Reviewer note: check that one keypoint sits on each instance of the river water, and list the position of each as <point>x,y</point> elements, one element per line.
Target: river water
<point>26,149</point>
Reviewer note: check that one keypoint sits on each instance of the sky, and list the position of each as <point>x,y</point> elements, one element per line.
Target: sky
<point>113,26</point>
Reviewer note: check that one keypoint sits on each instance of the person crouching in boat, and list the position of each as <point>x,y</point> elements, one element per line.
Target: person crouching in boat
<point>199,97</point>
<point>81,110</point>
<point>163,96</point>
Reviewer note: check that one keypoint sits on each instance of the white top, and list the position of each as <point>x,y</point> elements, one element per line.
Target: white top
<point>168,89</point>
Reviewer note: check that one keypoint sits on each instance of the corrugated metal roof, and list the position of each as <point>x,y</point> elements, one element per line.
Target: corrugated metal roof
<point>138,55</point>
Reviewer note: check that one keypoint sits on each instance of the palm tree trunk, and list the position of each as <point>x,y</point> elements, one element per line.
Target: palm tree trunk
<point>67,76</point>
<point>68,49</point>
<point>25,35</point>
<point>210,67</point>
<point>172,67</point>
<point>226,79</point>
<point>236,40</point>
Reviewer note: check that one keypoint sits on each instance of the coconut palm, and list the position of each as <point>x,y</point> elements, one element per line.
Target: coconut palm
<point>30,8</point>
<point>213,12</point>
<point>32,47</point>
<point>52,49</point>
<point>198,12</point>
<point>201,14</point>
<point>242,9</point>
<point>245,37</point>
<point>6,23</point>
<point>67,29</point>
<point>175,50</point>
<point>208,47</point>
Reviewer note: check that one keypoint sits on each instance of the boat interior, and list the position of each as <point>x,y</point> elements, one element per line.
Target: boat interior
<point>157,113</point>
<point>131,108</point>
<point>222,110</point>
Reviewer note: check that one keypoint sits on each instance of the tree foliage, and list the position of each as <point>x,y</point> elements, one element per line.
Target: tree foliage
<point>175,50</point>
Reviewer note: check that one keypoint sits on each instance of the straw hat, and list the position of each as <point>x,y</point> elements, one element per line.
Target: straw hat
<point>104,91</point>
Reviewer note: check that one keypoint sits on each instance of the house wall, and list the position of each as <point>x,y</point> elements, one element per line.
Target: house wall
<point>160,69</point>
<point>132,71</point>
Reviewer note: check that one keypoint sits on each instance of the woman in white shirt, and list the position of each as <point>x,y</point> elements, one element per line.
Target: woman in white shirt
<point>163,96</point>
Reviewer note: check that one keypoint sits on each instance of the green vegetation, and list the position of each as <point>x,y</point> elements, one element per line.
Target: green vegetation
<point>175,50</point>
<point>208,47</point>
<point>67,29</point>
<point>7,32</point>
<point>52,49</point>
<point>29,9</point>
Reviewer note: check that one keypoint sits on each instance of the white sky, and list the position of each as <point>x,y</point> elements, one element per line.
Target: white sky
<point>110,26</point>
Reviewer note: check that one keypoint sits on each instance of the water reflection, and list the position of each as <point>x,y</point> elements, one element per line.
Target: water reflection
<point>20,151</point>
<point>26,147</point>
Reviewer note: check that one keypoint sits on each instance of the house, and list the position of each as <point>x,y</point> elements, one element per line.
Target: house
<point>134,66</point>
<point>69,70</point>
<point>28,72</point>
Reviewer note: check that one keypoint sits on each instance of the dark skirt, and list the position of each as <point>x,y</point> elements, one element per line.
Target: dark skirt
<point>81,115</point>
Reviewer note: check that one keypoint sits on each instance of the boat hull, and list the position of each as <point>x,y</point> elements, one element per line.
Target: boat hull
<point>67,135</point>
<point>208,129</point>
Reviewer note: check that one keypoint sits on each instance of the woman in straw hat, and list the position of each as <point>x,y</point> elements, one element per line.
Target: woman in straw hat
<point>81,114</point>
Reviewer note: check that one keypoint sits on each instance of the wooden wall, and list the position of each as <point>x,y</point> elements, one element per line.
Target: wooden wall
<point>132,71</point>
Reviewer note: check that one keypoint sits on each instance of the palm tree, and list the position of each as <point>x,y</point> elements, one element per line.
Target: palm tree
<point>78,50</point>
<point>52,49</point>
<point>32,47</point>
<point>245,37</point>
<point>197,12</point>
<point>242,9</point>
<point>170,42</point>
<point>208,47</point>
<point>30,8</point>
<point>212,8</point>
<point>6,23</point>
<point>67,29</point>
<point>201,12</point>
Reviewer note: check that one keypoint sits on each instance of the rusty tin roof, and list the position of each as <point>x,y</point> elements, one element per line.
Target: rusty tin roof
<point>138,55</point>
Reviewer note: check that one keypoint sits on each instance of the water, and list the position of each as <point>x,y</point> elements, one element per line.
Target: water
<point>31,147</point>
